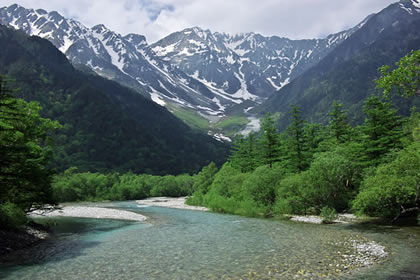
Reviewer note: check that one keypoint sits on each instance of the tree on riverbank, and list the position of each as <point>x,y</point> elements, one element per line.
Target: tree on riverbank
<point>25,150</point>
<point>372,169</point>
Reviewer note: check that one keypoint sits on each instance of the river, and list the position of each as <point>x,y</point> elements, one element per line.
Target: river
<point>185,244</point>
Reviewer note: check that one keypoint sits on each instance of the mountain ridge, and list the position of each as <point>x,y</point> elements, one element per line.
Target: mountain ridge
<point>106,126</point>
<point>219,80</point>
<point>347,74</point>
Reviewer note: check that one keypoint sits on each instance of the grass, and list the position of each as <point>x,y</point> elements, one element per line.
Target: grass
<point>191,118</point>
<point>231,125</point>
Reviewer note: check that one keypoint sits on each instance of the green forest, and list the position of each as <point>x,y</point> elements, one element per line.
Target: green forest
<point>371,169</point>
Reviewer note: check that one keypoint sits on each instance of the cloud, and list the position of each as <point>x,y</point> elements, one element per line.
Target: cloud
<point>158,18</point>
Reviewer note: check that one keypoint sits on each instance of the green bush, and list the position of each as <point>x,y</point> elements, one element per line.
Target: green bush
<point>393,187</point>
<point>11,216</point>
<point>328,214</point>
<point>330,181</point>
<point>290,198</point>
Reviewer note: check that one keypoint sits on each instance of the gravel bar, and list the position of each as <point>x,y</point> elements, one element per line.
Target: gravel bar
<point>170,202</point>
<point>91,212</point>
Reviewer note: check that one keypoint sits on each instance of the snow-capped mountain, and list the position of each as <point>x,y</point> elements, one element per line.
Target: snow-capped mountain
<point>126,59</point>
<point>247,66</point>
<point>195,68</point>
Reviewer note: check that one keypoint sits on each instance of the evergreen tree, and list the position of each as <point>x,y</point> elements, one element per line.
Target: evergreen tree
<point>382,130</point>
<point>25,150</point>
<point>270,141</point>
<point>296,140</point>
<point>313,135</point>
<point>245,155</point>
<point>339,125</point>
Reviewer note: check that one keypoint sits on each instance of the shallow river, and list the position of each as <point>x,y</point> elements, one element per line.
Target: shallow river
<point>183,244</point>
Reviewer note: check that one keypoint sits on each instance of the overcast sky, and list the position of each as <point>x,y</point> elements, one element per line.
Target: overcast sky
<point>295,19</point>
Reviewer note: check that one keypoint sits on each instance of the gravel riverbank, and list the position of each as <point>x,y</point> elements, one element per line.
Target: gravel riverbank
<point>170,202</point>
<point>91,212</point>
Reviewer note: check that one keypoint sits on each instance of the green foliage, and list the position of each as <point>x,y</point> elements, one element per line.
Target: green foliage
<point>270,141</point>
<point>339,126</point>
<point>393,187</point>
<point>202,183</point>
<point>226,194</point>
<point>297,140</point>
<point>245,153</point>
<point>74,186</point>
<point>328,214</point>
<point>382,130</point>
<point>260,185</point>
<point>11,216</point>
<point>405,78</point>
<point>25,150</point>
<point>330,181</point>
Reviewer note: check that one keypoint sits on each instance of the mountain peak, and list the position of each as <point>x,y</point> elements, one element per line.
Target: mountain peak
<point>100,28</point>
<point>408,5</point>
<point>136,39</point>
<point>41,11</point>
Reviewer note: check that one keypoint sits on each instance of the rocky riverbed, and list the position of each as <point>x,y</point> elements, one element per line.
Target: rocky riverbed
<point>90,212</point>
<point>170,202</point>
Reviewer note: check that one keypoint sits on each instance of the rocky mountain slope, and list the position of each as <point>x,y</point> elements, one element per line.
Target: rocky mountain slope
<point>106,127</point>
<point>347,74</point>
<point>194,68</point>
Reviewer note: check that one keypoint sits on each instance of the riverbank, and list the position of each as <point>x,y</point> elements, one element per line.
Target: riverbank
<point>14,240</point>
<point>312,219</point>
<point>171,202</point>
<point>90,212</point>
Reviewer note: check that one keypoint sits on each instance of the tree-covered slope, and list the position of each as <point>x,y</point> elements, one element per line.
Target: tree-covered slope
<point>105,126</point>
<point>347,74</point>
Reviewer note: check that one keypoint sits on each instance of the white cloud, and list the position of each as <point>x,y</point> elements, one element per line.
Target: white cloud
<point>158,18</point>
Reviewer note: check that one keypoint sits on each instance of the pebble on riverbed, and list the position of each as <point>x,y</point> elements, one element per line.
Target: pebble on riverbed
<point>341,219</point>
<point>91,212</point>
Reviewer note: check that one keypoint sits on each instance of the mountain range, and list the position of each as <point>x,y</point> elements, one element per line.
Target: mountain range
<point>194,68</point>
<point>347,74</point>
<point>218,74</point>
<point>106,127</point>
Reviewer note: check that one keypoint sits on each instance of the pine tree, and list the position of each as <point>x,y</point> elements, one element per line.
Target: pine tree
<point>270,141</point>
<point>382,130</point>
<point>245,155</point>
<point>297,140</point>
<point>339,125</point>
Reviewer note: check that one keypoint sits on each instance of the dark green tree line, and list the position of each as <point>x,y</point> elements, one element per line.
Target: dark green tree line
<point>25,150</point>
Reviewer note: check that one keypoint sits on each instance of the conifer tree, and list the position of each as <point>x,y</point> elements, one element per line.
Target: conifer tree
<point>245,156</point>
<point>382,129</point>
<point>296,140</point>
<point>339,125</point>
<point>270,141</point>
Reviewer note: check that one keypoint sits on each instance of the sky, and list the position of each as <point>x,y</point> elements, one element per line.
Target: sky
<point>294,19</point>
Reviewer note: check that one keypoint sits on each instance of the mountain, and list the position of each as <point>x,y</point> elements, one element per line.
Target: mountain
<point>244,66</point>
<point>106,127</point>
<point>346,74</point>
<point>126,59</point>
<point>211,73</point>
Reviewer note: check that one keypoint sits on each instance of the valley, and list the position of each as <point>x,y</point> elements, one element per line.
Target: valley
<point>302,152</point>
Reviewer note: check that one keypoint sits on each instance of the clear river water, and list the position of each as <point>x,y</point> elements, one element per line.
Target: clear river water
<point>185,244</point>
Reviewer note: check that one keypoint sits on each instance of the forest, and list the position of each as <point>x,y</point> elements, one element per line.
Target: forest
<point>371,169</point>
